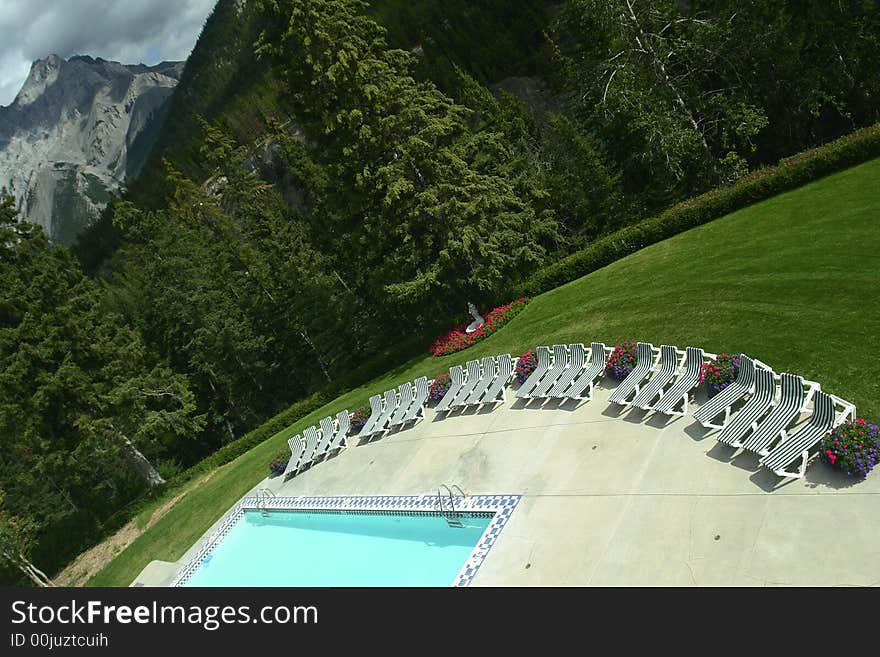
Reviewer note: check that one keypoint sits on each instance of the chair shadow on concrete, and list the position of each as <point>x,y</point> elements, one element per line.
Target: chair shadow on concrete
<point>697,431</point>
<point>745,461</point>
<point>661,420</point>
<point>721,452</point>
<point>766,480</point>
<point>570,404</point>
<point>439,416</point>
<point>614,410</point>
<point>633,415</point>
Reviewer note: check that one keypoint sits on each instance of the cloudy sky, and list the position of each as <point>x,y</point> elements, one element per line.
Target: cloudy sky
<point>127,31</point>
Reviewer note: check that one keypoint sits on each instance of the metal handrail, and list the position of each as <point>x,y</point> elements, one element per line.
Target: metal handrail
<point>440,497</point>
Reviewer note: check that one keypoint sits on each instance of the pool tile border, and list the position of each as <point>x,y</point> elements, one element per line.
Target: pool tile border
<point>501,505</point>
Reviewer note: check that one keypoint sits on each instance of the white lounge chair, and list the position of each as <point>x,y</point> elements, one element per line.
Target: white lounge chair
<point>406,398</point>
<point>473,378</point>
<point>375,412</point>
<point>556,369</point>
<point>800,446</point>
<point>668,367</point>
<point>487,375</point>
<point>543,364</point>
<point>578,358</point>
<point>343,424</point>
<point>496,392</point>
<point>310,435</point>
<point>387,411</point>
<point>773,427</point>
<point>456,381</point>
<point>297,449</point>
<point>328,429</point>
<point>587,379</point>
<point>687,380</point>
<point>416,410</point>
<point>747,418</point>
<point>724,400</point>
<point>633,381</point>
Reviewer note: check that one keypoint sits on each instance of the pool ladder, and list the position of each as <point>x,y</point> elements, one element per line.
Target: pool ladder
<point>452,516</point>
<point>263,496</point>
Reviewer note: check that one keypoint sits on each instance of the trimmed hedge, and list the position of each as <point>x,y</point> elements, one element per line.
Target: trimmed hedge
<point>790,173</point>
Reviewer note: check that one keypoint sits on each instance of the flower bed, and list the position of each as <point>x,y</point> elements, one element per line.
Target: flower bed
<point>458,339</point>
<point>279,464</point>
<point>853,448</point>
<point>359,419</point>
<point>621,360</point>
<point>719,373</point>
<point>439,387</point>
<point>525,366</point>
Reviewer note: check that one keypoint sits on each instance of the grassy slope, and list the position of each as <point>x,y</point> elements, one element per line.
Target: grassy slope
<point>792,281</point>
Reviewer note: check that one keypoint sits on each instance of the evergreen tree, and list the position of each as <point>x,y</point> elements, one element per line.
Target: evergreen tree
<point>428,221</point>
<point>83,407</point>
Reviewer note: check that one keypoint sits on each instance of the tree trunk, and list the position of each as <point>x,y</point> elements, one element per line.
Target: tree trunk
<point>211,377</point>
<point>33,573</point>
<point>321,364</point>
<point>662,76</point>
<point>140,463</point>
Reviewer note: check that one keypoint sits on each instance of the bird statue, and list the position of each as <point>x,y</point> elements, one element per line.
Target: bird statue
<point>478,319</point>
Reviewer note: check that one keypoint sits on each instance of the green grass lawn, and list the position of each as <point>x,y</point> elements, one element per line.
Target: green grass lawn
<point>792,281</point>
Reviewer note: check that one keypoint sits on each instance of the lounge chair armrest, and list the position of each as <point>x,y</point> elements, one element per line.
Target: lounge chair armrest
<point>765,366</point>
<point>811,391</point>
<point>846,410</point>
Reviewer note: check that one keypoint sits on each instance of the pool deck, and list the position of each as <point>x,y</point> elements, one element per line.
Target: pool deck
<point>614,497</point>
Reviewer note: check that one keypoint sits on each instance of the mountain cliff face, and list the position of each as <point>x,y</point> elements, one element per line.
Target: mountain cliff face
<point>74,133</point>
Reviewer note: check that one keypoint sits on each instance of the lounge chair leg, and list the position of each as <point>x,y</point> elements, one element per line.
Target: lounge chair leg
<point>810,394</point>
<point>723,424</point>
<point>805,456</point>
<point>684,408</point>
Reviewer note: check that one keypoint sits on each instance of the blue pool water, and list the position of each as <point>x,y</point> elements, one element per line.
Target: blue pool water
<point>303,548</point>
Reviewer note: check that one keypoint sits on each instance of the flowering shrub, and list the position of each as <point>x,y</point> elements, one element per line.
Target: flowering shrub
<point>719,373</point>
<point>458,339</point>
<point>621,360</point>
<point>279,464</point>
<point>359,419</point>
<point>853,448</point>
<point>439,387</point>
<point>525,365</point>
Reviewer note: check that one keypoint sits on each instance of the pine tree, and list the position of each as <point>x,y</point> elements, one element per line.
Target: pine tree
<point>430,223</point>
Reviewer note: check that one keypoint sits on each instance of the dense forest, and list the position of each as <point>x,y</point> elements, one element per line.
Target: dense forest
<point>335,179</point>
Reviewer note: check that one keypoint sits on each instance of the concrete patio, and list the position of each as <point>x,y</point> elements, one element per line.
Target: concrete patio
<point>614,499</point>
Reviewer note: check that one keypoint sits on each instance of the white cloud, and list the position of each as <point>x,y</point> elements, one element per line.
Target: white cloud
<point>127,31</point>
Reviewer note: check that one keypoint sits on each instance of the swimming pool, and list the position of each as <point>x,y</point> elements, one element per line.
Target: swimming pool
<point>351,541</point>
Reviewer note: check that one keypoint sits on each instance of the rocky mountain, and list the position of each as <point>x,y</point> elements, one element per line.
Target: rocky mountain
<point>75,132</point>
